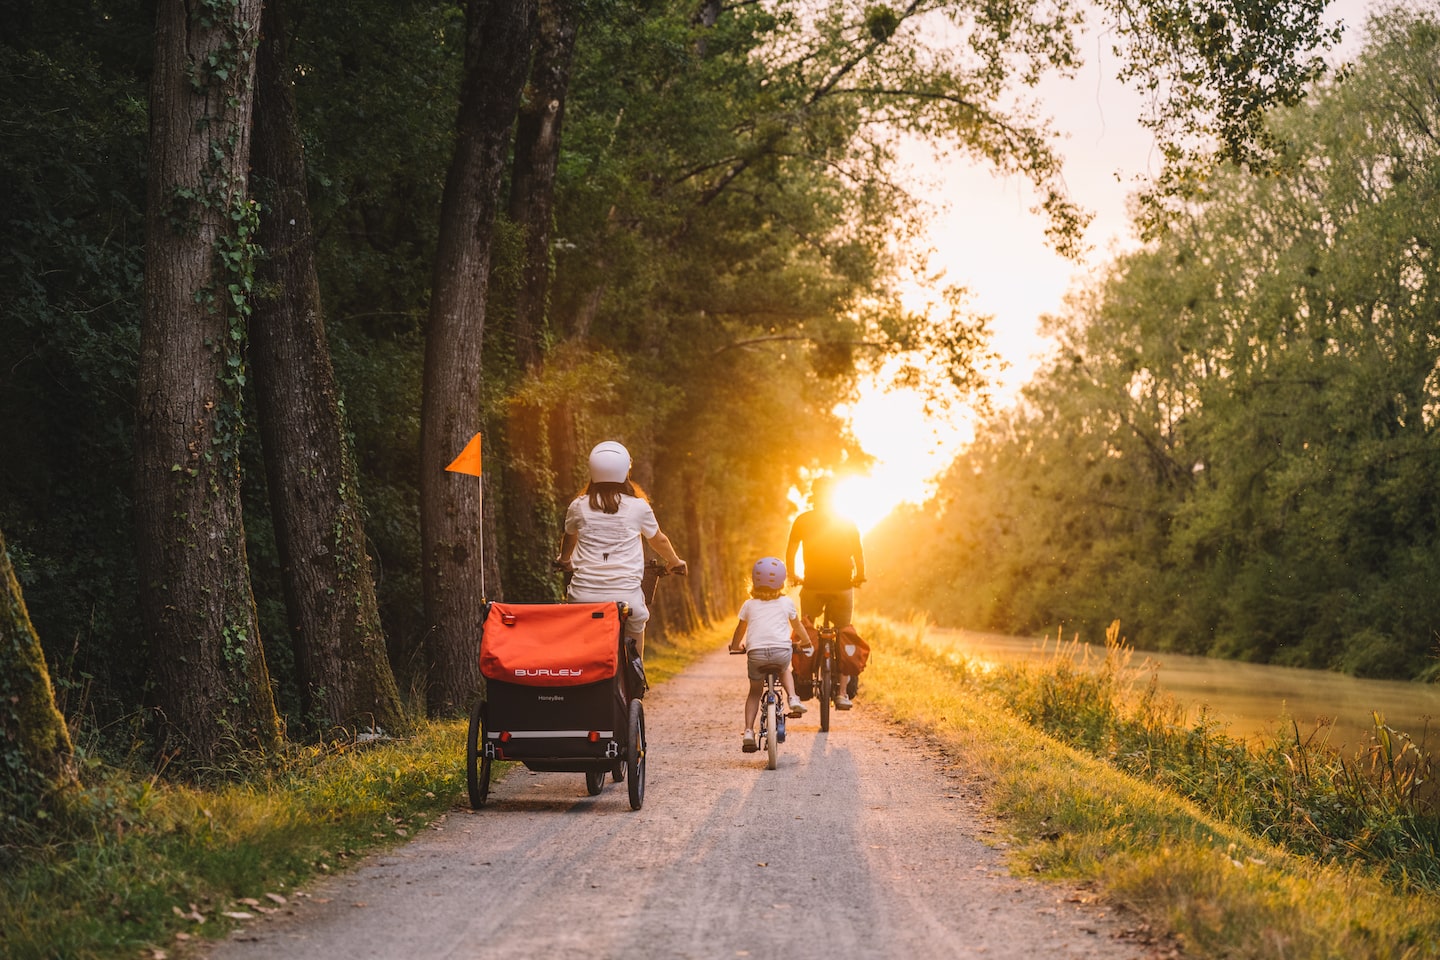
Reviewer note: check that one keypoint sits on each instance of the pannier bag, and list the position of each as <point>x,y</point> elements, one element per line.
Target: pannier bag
<point>802,659</point>
<point>854,652</point>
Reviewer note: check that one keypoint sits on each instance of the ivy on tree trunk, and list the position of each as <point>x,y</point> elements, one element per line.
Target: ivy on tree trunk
<point>344,673</point>
<point>211,679</point>
<point>38,758</point>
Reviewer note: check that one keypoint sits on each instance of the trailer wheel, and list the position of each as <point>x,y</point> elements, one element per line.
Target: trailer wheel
<point>635,755</point>
<point>477,766</point>
<point>595,781</point>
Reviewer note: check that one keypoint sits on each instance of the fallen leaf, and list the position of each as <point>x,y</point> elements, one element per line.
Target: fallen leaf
<point>238,915</point>
<point>249,901</point>
<point>277,898</point>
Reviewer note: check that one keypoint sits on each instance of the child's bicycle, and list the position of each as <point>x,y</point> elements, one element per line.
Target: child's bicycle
<point>773,709</point>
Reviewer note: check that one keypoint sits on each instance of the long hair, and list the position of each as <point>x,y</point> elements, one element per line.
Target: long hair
<point>605,497</point>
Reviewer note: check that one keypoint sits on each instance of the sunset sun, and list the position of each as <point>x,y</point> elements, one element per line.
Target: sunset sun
<point>910,447</point>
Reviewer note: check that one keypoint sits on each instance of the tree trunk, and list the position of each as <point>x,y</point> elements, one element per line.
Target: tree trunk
<point>38,759</point>
<point>344,672</point>
<point>496,55</point>
<point>697,556</point>
<point>537,157</point>
<point>531,501</point>
<point>210,675</point>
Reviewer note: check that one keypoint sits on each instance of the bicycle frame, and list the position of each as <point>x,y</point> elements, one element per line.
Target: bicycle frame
<point>773,709</point>
<point>827,663</point>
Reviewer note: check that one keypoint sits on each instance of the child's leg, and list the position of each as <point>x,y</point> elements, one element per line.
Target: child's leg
<point>787,680</point>
<point>752,703</point>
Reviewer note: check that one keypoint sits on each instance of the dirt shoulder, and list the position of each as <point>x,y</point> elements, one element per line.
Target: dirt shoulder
<point>866,842</point>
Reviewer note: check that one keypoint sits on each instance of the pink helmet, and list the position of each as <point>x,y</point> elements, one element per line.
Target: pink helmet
<point>768,573</point>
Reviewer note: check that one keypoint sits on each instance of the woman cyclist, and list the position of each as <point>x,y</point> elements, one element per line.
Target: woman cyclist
<point>606,526</point>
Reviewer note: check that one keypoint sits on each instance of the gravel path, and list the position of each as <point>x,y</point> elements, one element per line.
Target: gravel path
<point>865,842</point>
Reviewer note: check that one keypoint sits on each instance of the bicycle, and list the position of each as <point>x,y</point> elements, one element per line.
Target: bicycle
<point>826,669</point>
<point>827,658</point>
<point>773,711</point>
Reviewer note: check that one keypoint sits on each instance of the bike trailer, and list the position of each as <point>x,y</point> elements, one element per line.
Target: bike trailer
<point>560,695</point>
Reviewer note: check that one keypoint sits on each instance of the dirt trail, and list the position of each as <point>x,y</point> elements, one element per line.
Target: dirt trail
<point>864,843</point>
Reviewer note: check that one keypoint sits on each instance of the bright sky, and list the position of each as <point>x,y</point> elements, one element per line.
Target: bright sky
<point>987,240</point>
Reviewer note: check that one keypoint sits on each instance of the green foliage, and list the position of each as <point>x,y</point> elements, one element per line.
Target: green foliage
<point>1235,441</point>
<point>72,166</point>
<point>728,237</point>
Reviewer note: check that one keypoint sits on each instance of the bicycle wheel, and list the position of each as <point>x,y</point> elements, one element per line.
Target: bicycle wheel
<point>635,755</point>
<point>477,766</point>
<point>772,739</point>
<point>826,693</point>
<point>595,781</point>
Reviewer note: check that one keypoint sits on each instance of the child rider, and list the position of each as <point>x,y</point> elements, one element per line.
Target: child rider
<point>766,622</point>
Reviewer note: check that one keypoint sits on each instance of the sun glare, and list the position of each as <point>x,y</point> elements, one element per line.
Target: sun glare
<point>910,449</point>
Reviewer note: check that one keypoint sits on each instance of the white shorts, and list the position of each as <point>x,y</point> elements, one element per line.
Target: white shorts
<point>635,600</point>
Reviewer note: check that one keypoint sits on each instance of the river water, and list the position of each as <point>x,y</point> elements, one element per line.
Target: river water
<point>1250,700</point>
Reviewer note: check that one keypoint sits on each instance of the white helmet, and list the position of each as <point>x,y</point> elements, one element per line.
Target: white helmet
<point>609,462</point>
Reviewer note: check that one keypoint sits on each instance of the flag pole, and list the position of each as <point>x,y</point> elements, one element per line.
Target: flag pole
<point>469,462</point>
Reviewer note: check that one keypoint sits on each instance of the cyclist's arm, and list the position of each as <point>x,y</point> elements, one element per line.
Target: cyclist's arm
<point>859,557</point>
<point>567,550</point>
<point>737,641</point>
<point>666,549</point>
<point>792,547</point>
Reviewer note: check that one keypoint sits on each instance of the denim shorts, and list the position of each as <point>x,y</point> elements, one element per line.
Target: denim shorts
<point>756,661</point>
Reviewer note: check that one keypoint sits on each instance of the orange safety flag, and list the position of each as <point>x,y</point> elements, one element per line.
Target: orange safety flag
<point>469,459</point>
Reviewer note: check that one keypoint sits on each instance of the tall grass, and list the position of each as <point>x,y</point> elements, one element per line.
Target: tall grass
<point>137,861</point>
<point>1091,782</point>
<point>1375,806</point>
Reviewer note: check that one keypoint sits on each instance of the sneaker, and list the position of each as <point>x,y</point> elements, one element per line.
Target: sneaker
<point>842,702</point>
<point>797,709</point>
<point>747,742</point>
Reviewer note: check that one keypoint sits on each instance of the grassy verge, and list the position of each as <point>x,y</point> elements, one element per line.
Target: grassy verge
<point>1223,890</point>
<point>142,867</point>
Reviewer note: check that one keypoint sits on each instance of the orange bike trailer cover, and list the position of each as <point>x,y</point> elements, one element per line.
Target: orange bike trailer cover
<point>550,644</point>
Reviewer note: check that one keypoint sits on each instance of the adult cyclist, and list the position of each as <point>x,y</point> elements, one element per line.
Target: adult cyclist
<point>606,527</point>
<point>834,565</point>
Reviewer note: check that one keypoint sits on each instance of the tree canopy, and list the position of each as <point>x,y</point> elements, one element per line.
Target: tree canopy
<point>1234,447</point>
<point>721,242</point>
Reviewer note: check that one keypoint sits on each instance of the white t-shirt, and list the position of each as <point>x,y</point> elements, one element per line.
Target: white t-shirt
<point>609,555</point>
<point>767,623</point>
